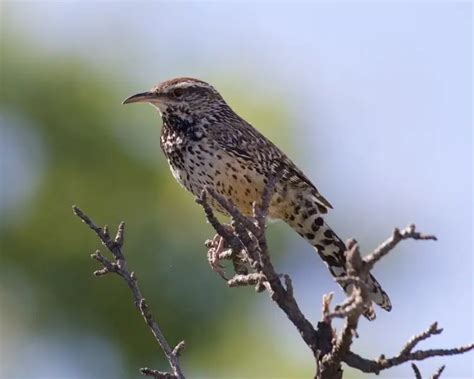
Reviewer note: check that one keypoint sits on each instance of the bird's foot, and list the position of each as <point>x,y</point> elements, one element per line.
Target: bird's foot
<point>216,246</point>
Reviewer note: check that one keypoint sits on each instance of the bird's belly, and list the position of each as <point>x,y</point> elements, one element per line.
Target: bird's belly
<point>240,183</point>
<point>235,180</point>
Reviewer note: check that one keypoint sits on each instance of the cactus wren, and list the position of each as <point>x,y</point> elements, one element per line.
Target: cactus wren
<point>207,144</point>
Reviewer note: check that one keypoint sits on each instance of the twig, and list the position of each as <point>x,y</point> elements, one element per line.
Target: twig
<point>351,309</point>
<point>231,210</point>
<point>119,267</point>
<point>375,366</point>
<point>156,374</point>
<point>410,345</point>
<point>416,370</point>
<point>246,280</point>
<point>408,232</point>
<point>220,229</point>
<point>438,373</point>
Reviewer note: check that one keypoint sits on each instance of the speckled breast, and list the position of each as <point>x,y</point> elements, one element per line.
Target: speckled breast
<point>197,164</point>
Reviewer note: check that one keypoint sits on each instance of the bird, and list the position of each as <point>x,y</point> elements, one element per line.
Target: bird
<point>208,145</point>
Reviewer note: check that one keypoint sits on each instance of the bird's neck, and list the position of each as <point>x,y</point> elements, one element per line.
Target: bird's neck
<point>180,128</point>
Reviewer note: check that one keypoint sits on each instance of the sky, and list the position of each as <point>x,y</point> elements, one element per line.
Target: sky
<point>381,102</point>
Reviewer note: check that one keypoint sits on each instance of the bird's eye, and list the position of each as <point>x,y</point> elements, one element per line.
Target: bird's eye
<point>178,92</point>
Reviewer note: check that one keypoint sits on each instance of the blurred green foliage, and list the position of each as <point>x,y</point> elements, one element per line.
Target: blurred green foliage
<point>95,159</point>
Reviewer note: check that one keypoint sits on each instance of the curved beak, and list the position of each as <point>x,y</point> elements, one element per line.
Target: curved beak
<point>143,97</point>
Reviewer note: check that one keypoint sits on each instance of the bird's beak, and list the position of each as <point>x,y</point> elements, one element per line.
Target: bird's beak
<point>143,97</point>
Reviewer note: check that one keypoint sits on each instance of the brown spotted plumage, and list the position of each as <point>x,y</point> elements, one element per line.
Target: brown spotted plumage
<point>207,144</point>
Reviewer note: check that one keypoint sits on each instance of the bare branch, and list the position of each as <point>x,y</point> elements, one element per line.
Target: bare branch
<point>260,212</point>
<point>408,232</point>
<point>250,232</point>
<point>358,270</point>
<point>246,280</point>
<point>220,229</point>
<point>244,243</point>
<point>375,366</point>
<point>119,267</point>
<point>351,309</point>
<point>119,238</point>
<point>288,284</point>
<point>233,211</point>
<point>350,306</point>
<point>179,348</point>
<point>326,311</point>
<point>156,374</point>
<point>410,345</point>
<point>416,371</point>
<point>252,237</point>
<point>438,373</point>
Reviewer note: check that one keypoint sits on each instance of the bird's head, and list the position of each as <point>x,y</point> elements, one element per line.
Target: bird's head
<point>186,95</point>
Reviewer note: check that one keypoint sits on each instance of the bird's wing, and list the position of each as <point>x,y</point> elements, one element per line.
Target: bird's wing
<point>292,174</point>
<point>250,145</point>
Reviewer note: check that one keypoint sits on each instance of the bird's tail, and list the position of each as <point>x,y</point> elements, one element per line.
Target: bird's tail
<point>332,251</point>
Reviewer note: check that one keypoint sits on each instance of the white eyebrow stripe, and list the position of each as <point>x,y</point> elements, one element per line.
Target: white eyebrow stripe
<point>181,83</point>
<point>189,83</point>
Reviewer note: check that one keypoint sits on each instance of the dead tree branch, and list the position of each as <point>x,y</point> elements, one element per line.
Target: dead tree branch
<point>253,246</point>
<point>387,246</point>
<point>244,243</point>
<point>119,266</point>
<point>417,372</point>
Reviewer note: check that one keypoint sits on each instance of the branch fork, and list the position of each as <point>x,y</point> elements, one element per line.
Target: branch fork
<point>119,266</point>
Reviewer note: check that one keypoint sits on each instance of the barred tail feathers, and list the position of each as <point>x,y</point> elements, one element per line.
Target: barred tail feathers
<point>331,249</point>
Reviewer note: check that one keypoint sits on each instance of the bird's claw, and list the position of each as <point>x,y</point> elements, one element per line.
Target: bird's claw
<point>217,246</point>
